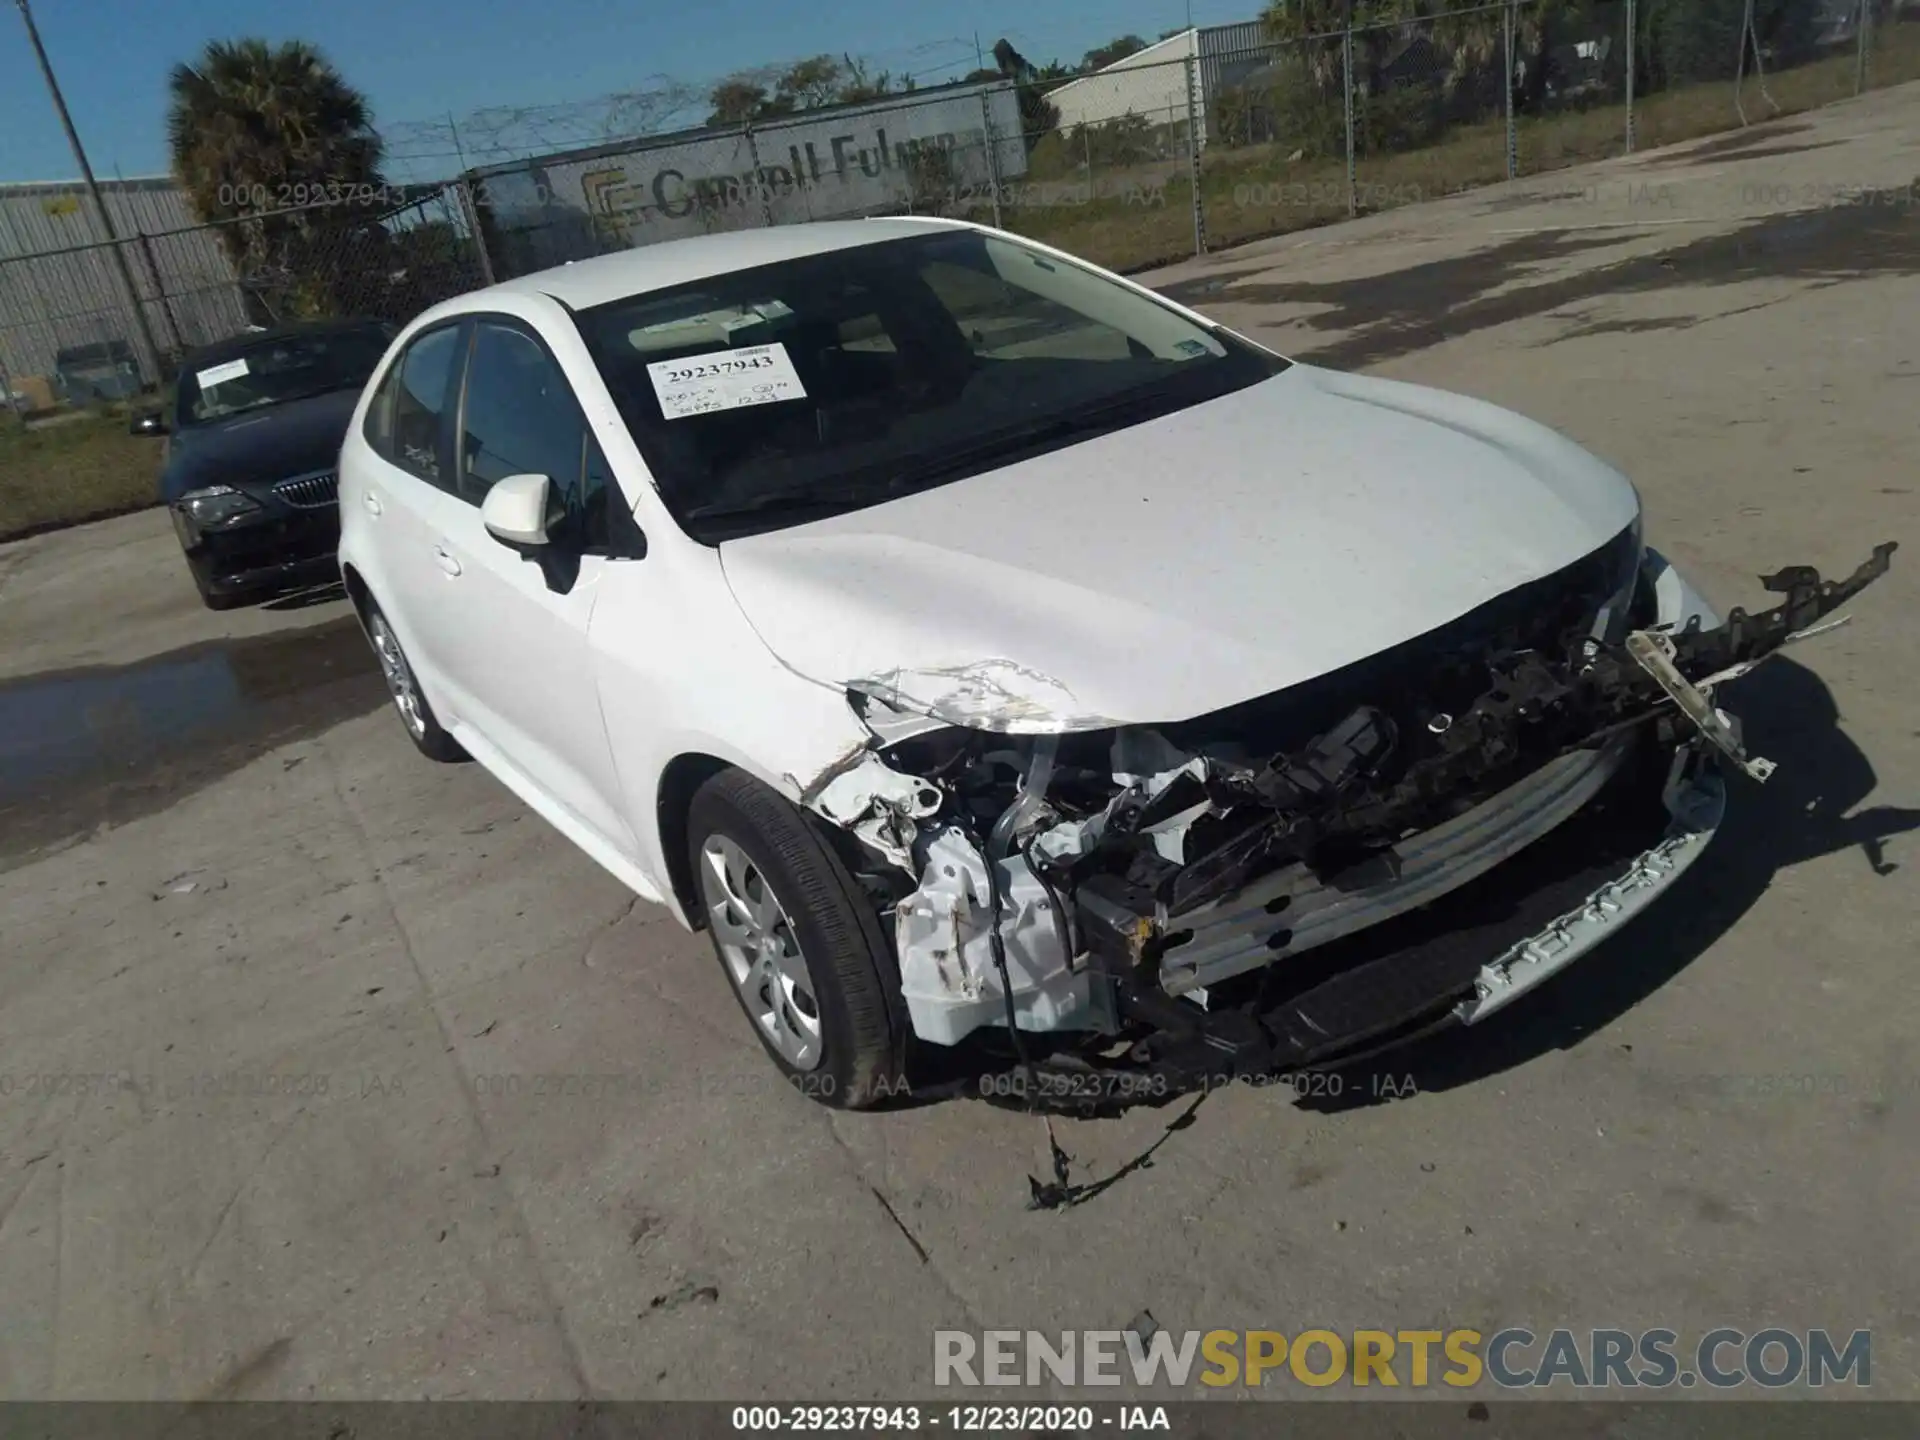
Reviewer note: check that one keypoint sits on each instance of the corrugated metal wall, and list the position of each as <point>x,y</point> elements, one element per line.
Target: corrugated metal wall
<point>59,286</point>
<point>1228,53</point>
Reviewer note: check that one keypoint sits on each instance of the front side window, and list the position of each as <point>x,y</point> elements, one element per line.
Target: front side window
<point>771,396</point>
<point>279,370</point>
<point>519,417</point>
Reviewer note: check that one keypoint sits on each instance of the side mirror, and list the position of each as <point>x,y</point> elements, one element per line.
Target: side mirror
<point>515,510</point>
<point>150,422</point>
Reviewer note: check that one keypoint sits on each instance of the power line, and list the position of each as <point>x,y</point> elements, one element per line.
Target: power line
<point>152,351</point>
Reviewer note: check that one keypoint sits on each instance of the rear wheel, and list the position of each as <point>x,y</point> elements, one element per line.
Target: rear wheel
<point>799,942</point>
<point>416,715</point>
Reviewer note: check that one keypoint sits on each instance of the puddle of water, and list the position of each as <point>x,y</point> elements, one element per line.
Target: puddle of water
<point>79,748</point>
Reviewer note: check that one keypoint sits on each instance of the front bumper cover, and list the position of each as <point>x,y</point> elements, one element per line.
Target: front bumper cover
<point>1415,882</point>
<point>278,546</point>
<point>1445,964</point>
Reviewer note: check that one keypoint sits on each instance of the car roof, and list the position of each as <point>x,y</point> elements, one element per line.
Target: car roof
<point>247,340</point>
<point>583,284</point>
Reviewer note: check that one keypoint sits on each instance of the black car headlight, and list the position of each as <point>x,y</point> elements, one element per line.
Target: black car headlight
<point>217,505</point>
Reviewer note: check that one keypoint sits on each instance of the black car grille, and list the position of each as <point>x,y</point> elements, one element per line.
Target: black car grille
<point>310,492</point>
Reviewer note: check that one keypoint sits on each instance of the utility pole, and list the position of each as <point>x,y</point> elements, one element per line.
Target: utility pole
<point>150,351</point>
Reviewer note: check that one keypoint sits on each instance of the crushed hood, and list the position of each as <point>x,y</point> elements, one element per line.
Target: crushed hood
<point>1182,565</point>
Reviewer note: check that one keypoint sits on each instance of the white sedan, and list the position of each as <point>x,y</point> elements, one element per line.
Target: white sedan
<point>986,651</point>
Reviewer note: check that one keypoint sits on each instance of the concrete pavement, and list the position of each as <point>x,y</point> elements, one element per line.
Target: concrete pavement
<point>325,1071</point>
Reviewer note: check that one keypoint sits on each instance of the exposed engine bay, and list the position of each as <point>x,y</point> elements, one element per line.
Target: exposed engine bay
<point>1234,893</point>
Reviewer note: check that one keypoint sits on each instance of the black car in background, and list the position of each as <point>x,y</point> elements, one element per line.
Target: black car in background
<point>94,373</point>
<point>254,441</point>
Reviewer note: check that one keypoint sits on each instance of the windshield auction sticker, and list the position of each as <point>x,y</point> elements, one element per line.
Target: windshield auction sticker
<point>214,374</point>
<point>725,380</point>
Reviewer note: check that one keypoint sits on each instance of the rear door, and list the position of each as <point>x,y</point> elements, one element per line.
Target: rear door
<point>518,638</point>
<point>410,431</point>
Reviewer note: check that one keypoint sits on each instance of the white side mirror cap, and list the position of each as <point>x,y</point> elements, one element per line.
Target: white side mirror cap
<point>515,510</point>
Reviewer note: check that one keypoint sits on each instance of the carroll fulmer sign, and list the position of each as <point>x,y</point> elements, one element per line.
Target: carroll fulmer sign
<point>903,154</point>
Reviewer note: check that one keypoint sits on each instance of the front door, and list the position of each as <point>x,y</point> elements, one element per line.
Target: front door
<point>519,644</point>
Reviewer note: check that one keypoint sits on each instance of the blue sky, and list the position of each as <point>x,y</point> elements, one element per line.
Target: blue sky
<point>419,60</point>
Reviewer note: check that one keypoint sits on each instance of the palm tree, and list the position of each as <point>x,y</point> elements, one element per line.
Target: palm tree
<point>271,140</point>
<point>1313,29</point>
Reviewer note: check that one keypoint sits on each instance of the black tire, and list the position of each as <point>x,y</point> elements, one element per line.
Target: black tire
<point>427,735</point>
<point>849,963</point>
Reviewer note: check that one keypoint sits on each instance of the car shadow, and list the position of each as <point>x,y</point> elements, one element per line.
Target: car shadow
<point>1806,810</point>
<point>322,594</point>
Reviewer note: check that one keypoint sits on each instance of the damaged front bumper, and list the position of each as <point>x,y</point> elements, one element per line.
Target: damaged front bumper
<point>1208,914</point>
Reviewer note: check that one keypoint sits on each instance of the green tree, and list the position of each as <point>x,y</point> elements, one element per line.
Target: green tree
<point>804,85</point>
<point>810,83</point>
<point>1117,48</point>
<point>254,130</point>
<point>1038,115</point>
<point>1312,30</point>
<point>737,99</point>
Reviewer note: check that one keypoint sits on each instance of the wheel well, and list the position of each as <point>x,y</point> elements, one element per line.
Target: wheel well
<point>357,593</point>
<point>684,775</point>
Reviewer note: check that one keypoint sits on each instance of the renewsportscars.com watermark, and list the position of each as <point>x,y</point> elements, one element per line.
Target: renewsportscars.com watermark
<point>1512,1358</point>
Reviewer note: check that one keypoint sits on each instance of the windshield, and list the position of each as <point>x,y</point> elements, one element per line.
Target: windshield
<point>280,369</point>
<point>780,394</point>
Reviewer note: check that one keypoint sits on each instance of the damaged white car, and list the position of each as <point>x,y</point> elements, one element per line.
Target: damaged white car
<point>986,651</point>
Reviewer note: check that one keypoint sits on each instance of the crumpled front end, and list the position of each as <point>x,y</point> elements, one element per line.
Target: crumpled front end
<point>1416,839</point>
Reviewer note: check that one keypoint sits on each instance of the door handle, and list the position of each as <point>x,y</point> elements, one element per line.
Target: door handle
<point>445,560</point>
<point>371,501</point>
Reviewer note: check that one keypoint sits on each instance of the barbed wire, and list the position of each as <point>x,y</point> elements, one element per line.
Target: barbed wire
<point>426,150</point>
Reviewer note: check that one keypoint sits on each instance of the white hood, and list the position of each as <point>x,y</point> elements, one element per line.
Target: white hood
<point>1182,565</point>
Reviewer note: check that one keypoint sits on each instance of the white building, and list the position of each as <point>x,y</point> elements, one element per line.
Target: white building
<point>1151,83</point>
<point>60,288</point>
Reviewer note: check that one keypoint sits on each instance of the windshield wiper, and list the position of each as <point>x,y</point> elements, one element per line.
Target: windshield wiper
<point>799,498</point>
<point>1094,420</point>
<point>889,479</point>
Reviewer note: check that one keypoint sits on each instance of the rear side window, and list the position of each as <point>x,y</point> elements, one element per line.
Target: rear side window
<point>404,423</point>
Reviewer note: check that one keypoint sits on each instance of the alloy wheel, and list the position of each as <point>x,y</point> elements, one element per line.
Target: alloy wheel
<point>399,677</point>
<point>756,941</point>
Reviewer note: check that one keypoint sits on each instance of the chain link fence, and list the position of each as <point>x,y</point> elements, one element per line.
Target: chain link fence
<point>939,152</point>
<point>1243,133</point>
<point>69,334</point>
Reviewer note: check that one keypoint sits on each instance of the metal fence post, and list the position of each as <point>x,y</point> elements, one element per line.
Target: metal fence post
<point>1513,142</point>
<point>1633,48</point>
<point>759,180</point>
<point>17,405</point>
<point>993,156</point>
<point>1193,162</point>
<point>1860,57</point>
<point>470,208</point>
<point>178,344</point>
<point>1346,72</point>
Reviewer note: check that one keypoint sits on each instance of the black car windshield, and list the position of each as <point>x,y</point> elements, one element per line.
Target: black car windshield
<point>771,396</point>
<point>278,369</point>
<point>106,356</point>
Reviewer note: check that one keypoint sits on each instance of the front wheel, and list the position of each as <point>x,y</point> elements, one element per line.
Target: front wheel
<point>799,942</point>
